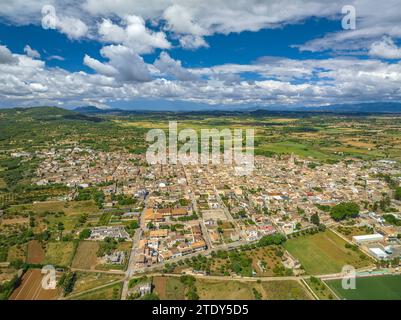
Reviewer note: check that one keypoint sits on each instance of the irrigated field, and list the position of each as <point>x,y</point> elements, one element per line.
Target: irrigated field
<point>324,253</point>
<point>370,288</point>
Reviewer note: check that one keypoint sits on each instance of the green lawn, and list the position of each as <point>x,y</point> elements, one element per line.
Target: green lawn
<point>324,253</point>
<point>370,288</point>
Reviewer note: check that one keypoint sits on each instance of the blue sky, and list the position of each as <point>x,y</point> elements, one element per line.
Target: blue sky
<point>178,54</point>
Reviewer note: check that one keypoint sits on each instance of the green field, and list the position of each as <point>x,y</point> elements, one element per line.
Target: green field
<point>60,253</point>
<point>112,292</point>
<point>370,288</point>
<point>324,253</point>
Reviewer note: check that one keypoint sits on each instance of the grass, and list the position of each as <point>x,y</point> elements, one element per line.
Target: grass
<point>324,253</point>
<point>69,208</point>
<point>85,256</point>
<point>285,290</point>
<point>236,290</point>
<point>17,252</point>
<point>89,280</point>
<point>169,288</point>
<point>371,288</point>
<point>302,150</point>
<point>112,292</point>
<point>320,289</point>
<point>59,253</point>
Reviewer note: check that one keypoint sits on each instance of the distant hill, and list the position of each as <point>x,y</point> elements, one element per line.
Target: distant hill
<point>92,109</point>
<point>375,107</point>
<point>48,114</point>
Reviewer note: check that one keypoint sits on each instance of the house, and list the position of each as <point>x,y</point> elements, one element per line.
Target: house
<point>199,245</point>
<point>145,288</point>
<point>160,233</point>
<point>116,257</point>
<point>179,212</point>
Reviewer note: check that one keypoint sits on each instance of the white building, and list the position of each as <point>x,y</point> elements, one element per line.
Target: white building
<point>368,238</point>
<point>378,253</point>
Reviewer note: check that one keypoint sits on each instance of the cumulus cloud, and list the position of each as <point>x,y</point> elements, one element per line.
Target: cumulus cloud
<point>133,34</point>
<point>130,28</point>
<point>309,82</point>
<point>31,52</point>
<point>168,66</point>
<point>73,28</point>
<point>6,57</point>
<point>386,48</point>
<point>124,64</point>
<point>192,42</point>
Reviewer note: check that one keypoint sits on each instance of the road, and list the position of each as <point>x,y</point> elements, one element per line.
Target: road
<point>134,251</point>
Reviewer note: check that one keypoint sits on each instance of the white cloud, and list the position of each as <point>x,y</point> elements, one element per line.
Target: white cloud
<point>6,57</point>
<point>124,64</point>
<point>309,82</point>
<point>192,42</point>
<point>133,34</point>
<point>168,66</point>
<point>31,52</point>
<point>55,57</point>
<point>73,28</point>
<point>386,48</point>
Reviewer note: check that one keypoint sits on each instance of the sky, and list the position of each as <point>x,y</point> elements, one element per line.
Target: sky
<point>183,54</point>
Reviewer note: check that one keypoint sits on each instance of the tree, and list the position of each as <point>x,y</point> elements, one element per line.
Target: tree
<point>397,194</point>
<point>315,219</point>
<point>85,234</point>
<point>134,225</point>
<point>344,210</point>
<point>150,296</point>
<point>276,239</point>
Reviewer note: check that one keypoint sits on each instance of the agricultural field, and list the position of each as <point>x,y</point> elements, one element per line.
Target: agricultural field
<point>85,256</point>
<point>324,253</point>
<point>320,289</point>
<point>112,292</point>
<point>169,288</point>
<point>36,254</point>
<point>172,288</point>
<point>6,274</point>
<point>48,215</point>
<point>89,280</point>
<point>69,208</point>
<point>17,252</point>
<point>370,288</point>
<point>60,253</point>
<point>31,288</point>
<point>269,290</point>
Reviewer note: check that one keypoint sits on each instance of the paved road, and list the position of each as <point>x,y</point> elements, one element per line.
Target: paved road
<point>134,251</point>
